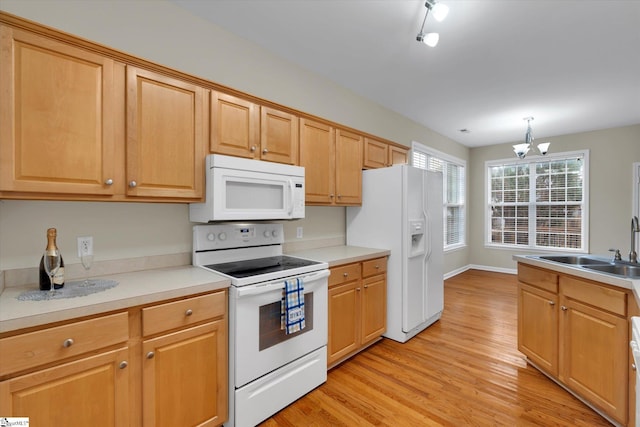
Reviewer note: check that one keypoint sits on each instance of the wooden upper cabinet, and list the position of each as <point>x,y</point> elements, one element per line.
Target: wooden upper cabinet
<point>378,154</point>
<point>332,160</point>
<point>242,128</point>
<point>278,136</point>
<point>348,161</point>
<point>57,113</point>
<point>166,132</point>
<point>398,156</point>
<point>235,126</point>
<point>317,156</point>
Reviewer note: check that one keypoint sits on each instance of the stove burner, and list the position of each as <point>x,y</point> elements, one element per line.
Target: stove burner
<point>258,266</point>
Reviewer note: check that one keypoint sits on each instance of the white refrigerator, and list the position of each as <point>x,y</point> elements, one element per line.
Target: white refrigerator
<point>402,211</point>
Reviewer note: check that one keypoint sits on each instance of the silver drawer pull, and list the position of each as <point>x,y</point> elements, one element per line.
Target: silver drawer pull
<point>345,274</point>
<point>109,182</point>
<point>123,364</point>
<point>265,151</point>
<point>133,184</point>
<point>67,343</point>
<point>563,308</point>
<point>150,355</point>
<point>189,312</point>
<point>377,267</point>
<point>552,303</point>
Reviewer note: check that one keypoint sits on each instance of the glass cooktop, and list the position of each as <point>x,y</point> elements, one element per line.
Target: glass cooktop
<point>259,266</point>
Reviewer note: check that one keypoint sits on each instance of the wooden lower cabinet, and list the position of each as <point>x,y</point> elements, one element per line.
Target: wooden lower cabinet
<point>184,362</point>
<point>357,308</point>
<point>92,391</point>
<point>158,365</point>
<point>578,335</point>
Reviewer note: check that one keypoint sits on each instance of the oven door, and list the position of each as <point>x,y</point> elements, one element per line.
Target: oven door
<point>259,344</point>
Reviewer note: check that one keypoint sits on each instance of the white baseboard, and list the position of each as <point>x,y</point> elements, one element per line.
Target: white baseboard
<point>480,267</point>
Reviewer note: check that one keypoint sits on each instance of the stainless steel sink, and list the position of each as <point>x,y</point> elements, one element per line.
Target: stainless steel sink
<point>574,259</point>
<point>617,269</point>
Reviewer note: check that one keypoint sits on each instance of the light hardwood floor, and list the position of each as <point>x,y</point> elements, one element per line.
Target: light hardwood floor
<point>464,370</point>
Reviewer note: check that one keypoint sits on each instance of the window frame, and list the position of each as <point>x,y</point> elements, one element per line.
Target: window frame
<point>532,245</point>
<point>448,159</point>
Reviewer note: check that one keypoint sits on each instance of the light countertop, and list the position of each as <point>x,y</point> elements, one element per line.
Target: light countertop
<point>339,255</point>
<point>135,288</point>
<point>609,279</point>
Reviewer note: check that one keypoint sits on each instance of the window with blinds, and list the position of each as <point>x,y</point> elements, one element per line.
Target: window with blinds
<point>539,203</point>
<point>453,173</point>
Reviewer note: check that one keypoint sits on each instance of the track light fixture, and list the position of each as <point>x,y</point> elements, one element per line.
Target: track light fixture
<point>439,12</point>
<point>521,150</point>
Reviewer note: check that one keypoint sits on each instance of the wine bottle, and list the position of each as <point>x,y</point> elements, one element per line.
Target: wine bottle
<point>58,279</point>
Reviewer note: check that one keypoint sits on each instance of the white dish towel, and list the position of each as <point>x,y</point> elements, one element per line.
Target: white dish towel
<point>292,306</point>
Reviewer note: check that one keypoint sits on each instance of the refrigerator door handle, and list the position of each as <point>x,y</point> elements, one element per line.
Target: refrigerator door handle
<point>427,218</point>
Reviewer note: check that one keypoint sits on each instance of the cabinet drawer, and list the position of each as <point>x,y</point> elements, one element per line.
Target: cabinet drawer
<point>344,274</point>
<point>52,344</point>
<point>374,266</point>
<point>183,313</point>
<point>544,279</point>
<point>595,295</point>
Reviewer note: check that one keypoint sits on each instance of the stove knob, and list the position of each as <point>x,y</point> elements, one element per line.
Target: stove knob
<point>211,237</point>
<point>222,236</point>
<point>267,233</point>
<point>274,233</point>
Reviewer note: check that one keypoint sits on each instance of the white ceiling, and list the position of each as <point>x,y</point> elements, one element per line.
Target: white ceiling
<point>574,65</point>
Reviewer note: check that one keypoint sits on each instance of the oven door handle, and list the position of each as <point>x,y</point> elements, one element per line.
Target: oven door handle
<point>268,287</point>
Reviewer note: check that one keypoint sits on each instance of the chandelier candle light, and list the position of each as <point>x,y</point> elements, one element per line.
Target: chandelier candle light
<point>440,12</point>
<point>521,150</point>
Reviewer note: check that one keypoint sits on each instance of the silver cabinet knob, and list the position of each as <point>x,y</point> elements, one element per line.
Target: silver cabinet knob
<point>189,312</point>
<point>133,184</point>
<point>377,267</point>
<point>67,343</point>
<point>552,303</point>
<point>331,195</point>
<point>563,308</point>
<point>253,148</point>
<point>633,366</point>
<point>150,355</point>
<point>358,289</point>
<point>123,364</point>
<point>345,274</point>
<point>109,181</point>
<point>265,151</point>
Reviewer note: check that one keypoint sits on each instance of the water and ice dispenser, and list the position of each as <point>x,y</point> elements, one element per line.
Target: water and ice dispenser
<point>417,241</point>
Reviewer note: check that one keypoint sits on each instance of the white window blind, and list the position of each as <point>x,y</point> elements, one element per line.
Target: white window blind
<point>453,172</point>
<point>539,203</point>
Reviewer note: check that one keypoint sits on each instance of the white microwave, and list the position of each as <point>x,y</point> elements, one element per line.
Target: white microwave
<point>239,189</point>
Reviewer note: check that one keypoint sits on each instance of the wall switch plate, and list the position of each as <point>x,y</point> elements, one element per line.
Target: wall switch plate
<point>85,245</point>
<point>299,233</point>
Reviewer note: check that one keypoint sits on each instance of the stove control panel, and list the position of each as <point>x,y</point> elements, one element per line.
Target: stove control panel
<point>236,235</point>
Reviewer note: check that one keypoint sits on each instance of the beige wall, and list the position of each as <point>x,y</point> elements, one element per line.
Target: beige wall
<point>612,153</point>
<point>161,32</point>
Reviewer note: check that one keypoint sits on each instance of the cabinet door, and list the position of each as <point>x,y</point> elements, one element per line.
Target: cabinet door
<point>375,154</point>
<point>235,126</point>
<point>278,136</point>
<point>166,130</point>
<point>57,113</point>
<point>348,168</point>
<point>184,377</point>
<point>344,321</point>
<point>398,155</point>
<point>374,307</point>
<point>317,155</point>
<point>593,360</point>
<point>538,327</point>
<point>93,391</point>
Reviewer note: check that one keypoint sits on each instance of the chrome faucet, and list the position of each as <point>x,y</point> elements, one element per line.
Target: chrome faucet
<point>635,228</point>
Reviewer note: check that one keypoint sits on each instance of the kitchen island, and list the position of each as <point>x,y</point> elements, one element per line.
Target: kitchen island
<point>574,326</point>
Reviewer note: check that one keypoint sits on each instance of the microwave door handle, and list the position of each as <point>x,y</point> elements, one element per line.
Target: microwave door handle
<point>291,190</point>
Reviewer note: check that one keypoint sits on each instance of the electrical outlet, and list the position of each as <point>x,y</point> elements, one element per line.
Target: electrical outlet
<point>299,232</point>
<point>85,245</point>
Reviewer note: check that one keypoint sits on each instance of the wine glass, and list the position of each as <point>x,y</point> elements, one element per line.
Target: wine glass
<point>87,260</point>
<point>51,261</point>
